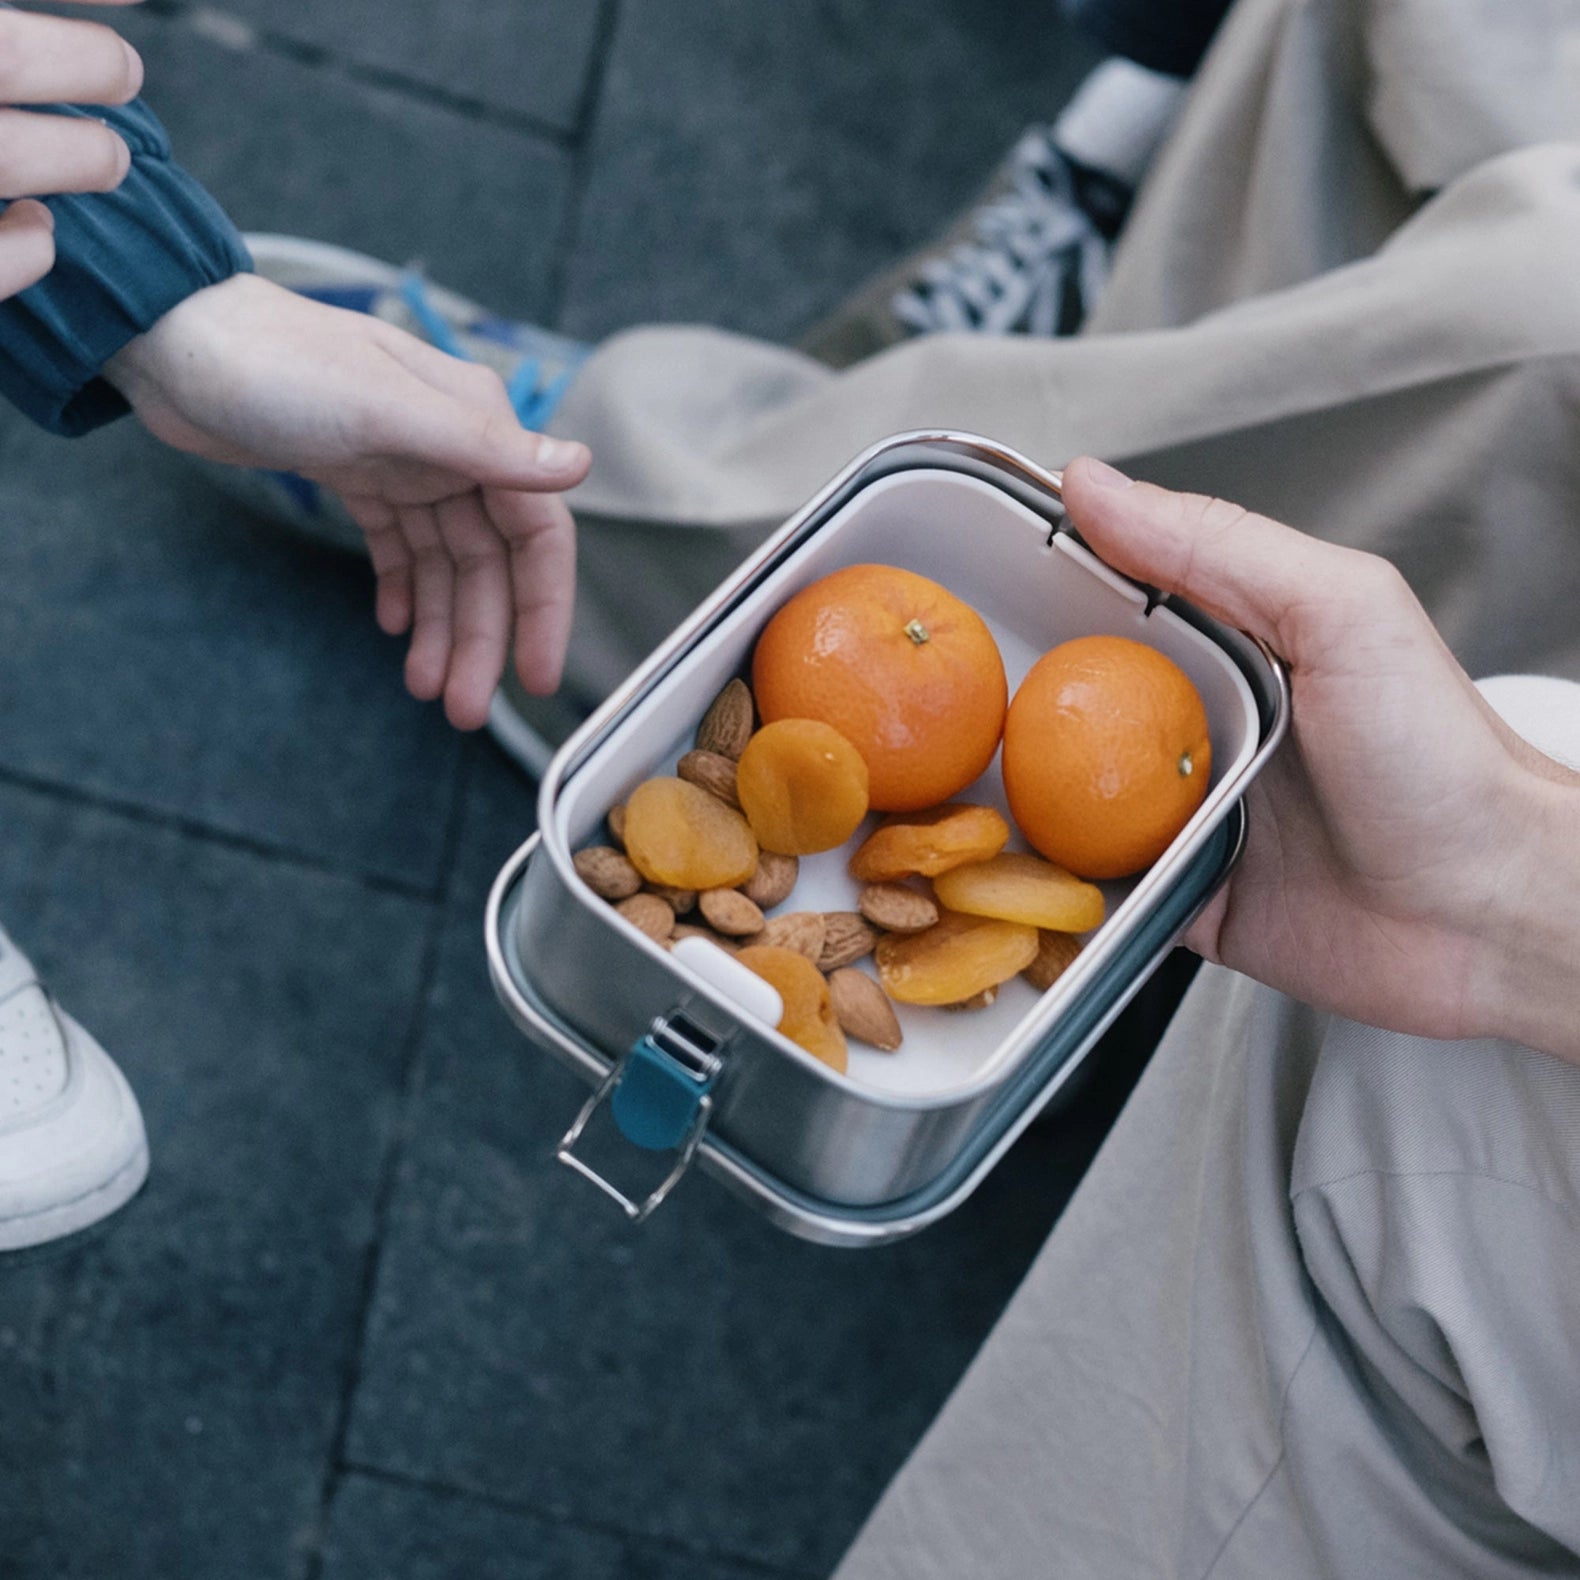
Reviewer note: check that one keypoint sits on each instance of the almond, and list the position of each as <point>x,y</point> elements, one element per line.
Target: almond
<point>976,1001</point>
<point>798,930</point>
<point>616,822</point>
<point>606,872</point>
<point>649,914</point>
<point>1056,953</point>
<point>727,725</point>
<point>896,908</point>
<point>847,937</point>
<point>713,772</point>
<point>687,930</point>
<point>730,912</point>
<point>678,900</point>
<point>773,881</point>
<point>864,1010</point>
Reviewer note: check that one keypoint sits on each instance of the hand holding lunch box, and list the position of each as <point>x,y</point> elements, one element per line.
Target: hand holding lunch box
<point>1395,870</point>
<point>1412,862</point>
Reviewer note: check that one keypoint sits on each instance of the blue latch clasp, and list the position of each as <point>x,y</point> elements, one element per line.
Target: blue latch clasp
<point>660,1095</point>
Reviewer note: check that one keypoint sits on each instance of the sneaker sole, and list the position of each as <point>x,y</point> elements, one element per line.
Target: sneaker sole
<point>64,1218</point>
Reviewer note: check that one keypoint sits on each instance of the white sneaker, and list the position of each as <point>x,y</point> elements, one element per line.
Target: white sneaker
<point>72,1146</point>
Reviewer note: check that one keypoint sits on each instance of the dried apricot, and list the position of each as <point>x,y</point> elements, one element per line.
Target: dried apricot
<point>802,786</point>
<point>1017,888</point>
<point>954,960</point>
<point>929,842</point>
<point>678,835</point>
<point>809,1019</point>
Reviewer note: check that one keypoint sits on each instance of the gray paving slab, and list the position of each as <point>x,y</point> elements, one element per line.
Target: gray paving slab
<point>287,146</point>
<point>751,164</point>
<point>160,647</point>
<point>395,1532</point>
<point>705,1379</point>
<point>172,1384</point>
<point>529,58</point>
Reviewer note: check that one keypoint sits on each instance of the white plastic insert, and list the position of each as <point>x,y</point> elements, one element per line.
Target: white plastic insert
<point>993,552</point>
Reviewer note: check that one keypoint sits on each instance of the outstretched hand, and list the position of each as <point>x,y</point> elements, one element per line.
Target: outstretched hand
<point>1411,861</point>
<point>458,503</point>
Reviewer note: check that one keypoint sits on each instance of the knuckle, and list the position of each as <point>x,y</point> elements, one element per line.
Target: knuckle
<point>1381,582</point>
<point>484,380</point>
<point>481,557</point>
<point>497,428</point>
<point>1219,516</point>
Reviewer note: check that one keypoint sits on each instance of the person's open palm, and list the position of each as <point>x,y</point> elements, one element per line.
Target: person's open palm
<point>1393,835</point>
<point>459,504</point>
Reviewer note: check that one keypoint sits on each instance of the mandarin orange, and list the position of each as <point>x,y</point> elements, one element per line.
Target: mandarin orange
<point>908,673</point>
<point>1106,755</point>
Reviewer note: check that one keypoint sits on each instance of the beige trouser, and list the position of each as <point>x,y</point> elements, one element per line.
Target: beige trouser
<point>1314,1311</point>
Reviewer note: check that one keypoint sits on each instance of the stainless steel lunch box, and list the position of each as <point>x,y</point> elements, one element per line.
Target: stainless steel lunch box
<point>674,1042</point>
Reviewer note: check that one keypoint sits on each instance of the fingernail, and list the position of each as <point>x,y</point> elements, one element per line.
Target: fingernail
<point>1105,476</point>
<point>560,454</point>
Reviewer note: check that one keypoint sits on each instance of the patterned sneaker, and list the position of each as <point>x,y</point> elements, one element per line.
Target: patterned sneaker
<point>1038,255</point>
<point>72,1147</point>
<point>536,364</point>
<point>1031,255</point>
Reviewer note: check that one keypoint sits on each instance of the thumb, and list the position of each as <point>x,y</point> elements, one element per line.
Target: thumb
<point>484,443</point>
<point>457,414</point>
<point>1243,568</point>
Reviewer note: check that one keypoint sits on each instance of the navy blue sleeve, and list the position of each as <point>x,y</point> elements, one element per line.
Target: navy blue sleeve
<point>123,259</point>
